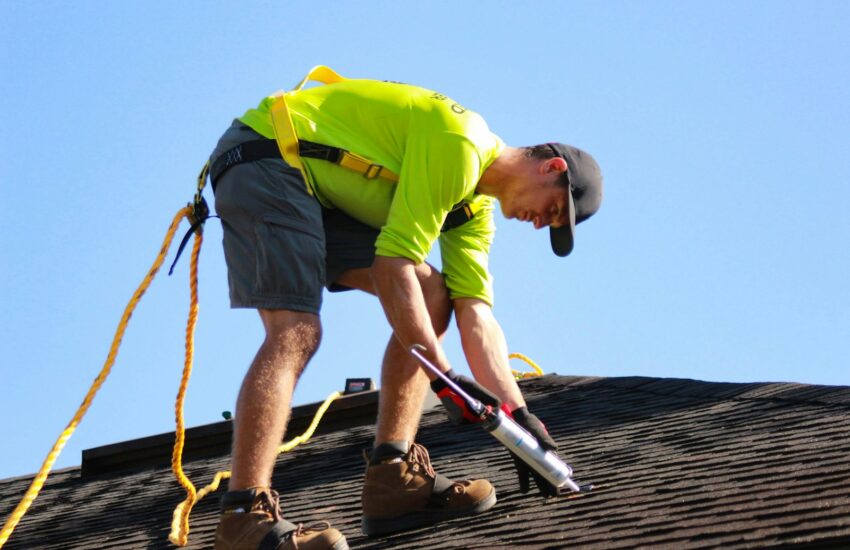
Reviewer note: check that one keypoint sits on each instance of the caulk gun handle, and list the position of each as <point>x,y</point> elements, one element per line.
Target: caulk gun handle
<point>475,405</point>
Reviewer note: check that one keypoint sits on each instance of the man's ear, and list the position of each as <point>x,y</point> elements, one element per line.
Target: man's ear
<point>554,164</point>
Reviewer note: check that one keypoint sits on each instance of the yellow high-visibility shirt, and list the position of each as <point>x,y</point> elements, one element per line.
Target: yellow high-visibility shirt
<point>438,148</point>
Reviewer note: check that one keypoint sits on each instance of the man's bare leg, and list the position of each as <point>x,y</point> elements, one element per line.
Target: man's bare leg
<point>403,387</point>
<point>262,408</point>
<point>403,382</point>
<point>401,488</point>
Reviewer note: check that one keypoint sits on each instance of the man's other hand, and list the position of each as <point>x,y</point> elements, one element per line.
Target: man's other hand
<point>535,427</point>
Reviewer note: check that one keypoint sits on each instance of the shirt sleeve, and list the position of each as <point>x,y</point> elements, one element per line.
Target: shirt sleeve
<point>465,252</point>
<point>437,172</point>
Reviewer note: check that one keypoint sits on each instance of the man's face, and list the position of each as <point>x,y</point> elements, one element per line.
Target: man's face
<point>541,204</point>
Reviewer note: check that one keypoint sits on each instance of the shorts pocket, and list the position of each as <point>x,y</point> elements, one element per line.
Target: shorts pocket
<point>290,261</point>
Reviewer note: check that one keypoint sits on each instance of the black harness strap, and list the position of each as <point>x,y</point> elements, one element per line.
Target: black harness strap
<point>259,149</point>
<point>251,151</point>
<point>319,151</point>
<point>457,216</point>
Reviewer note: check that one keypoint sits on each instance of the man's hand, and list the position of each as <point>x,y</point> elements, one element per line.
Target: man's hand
<point>457,409</point>
<point>535,427</point>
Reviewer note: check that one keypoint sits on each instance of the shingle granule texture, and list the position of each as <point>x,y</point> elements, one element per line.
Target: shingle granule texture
<point>676,464</point>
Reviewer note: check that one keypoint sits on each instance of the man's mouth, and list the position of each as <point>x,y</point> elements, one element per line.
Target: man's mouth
<point>526,216</point>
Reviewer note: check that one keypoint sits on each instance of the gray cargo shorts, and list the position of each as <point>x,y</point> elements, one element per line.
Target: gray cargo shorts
<point>281,246</point>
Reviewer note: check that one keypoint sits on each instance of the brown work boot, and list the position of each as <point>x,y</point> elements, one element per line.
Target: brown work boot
<point>250,520</point>
<point>404,492</point>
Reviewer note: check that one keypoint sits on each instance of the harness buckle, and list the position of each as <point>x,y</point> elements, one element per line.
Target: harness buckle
<point>200,212</point>
<point>200,208</point>
<point>373,171</point>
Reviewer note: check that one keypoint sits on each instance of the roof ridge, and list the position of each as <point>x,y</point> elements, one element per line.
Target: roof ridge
<point>31,476</point>
<point>832,397</point>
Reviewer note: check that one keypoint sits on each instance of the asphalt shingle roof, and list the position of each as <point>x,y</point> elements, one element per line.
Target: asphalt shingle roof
<point>676,464</point>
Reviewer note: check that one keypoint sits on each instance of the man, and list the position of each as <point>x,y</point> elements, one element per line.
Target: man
<point>301,213</point>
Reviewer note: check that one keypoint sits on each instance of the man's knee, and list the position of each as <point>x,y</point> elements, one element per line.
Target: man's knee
<point>292,332</point>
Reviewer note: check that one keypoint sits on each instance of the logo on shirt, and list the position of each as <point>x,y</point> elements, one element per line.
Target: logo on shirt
<point>456,108</point>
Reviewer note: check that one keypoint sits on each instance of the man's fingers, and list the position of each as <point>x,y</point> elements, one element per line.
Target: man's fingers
<point>535,427</point>
<point>478,391</point>
<point>525,473</point>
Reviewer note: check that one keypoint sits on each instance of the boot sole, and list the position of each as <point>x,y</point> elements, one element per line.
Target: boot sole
<point>373,526</point>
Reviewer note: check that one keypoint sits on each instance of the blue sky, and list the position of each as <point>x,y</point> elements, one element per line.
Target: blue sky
<point>720,252</point>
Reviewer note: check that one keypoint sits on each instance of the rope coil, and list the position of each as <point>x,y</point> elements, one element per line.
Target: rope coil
<point>519,375</point>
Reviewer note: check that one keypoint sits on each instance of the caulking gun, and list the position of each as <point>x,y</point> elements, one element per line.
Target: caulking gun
<point>511,434</point>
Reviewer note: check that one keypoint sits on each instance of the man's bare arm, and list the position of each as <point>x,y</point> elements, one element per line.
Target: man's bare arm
<point>486,350</point>
<point>400,294</point>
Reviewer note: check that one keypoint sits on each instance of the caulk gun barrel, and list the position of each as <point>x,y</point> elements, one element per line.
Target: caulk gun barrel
<point>524,445</point>
<point>511,434</point>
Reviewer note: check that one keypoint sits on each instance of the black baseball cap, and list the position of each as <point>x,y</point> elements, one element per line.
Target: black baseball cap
<point>585,194</point>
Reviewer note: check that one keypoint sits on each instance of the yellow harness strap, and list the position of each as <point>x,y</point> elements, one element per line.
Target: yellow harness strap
<point>287,141</point>
<point>353,161</point>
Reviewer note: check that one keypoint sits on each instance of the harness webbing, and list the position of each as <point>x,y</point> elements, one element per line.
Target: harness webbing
<point>292,151</point>
<point>249,151</point>
<point>259,149</point>
<point>346,159</point>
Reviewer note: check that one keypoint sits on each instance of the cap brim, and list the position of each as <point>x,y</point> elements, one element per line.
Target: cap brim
<point>562,237</point>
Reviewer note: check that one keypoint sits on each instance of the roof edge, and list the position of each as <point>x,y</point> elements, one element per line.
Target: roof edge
<point>215,439</point>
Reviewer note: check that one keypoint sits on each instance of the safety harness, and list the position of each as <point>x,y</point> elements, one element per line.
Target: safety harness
<point>286,145</point>
<point>259,149</point>
<point>251,151</point>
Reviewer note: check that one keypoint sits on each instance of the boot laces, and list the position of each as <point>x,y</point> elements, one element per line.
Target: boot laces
<point>317,526</point>
<point>269,503</point>
<point>419,455</point>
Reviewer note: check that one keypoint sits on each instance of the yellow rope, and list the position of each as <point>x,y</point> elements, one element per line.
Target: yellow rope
<point>199,210</point>
<point>41,477</point>
<point>180,431</point>
<point>180,522</point>
<point>519,375</point>
<point>180,519</point>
